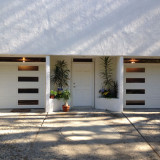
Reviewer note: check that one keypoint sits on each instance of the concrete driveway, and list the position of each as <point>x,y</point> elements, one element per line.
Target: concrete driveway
<point>147,124</point>
<point>80,135</point>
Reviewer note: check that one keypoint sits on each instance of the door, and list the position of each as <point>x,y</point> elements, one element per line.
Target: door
<point>153,86</point>
<point>22,85</point>
<point>142,86</point>
<point>83,84</point>
<point>134,86</point>
<point>8,85</point>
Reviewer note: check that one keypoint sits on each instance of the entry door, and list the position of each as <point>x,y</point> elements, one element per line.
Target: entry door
<point>142,86</point>
<point>22,85</point>
<point>83,84</point>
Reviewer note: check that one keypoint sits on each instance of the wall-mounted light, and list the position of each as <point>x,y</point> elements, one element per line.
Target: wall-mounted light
<point>24,59</point>
<point>133,61</point>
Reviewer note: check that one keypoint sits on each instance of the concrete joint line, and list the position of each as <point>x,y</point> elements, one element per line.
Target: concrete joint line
<point>40,128</point>
<point>41,124</point>
<point>142,136</point>
<point>32,143</point>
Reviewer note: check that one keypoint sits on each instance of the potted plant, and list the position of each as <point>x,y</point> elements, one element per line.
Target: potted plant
<point>60,78</point>
<point>110,87</point>
<point>53,94</point>
<point>66,95</point>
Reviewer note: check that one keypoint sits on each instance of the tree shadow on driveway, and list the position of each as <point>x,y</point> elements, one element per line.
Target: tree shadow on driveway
<point>73,135</point>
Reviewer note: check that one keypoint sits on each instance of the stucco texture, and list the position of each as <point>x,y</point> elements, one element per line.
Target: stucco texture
<point>80,27</point>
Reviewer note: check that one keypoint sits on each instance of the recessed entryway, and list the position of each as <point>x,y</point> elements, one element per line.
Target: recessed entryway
<point>82,84</point>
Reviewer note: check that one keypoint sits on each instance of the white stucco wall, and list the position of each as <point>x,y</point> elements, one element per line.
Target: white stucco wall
<point>80,27</point>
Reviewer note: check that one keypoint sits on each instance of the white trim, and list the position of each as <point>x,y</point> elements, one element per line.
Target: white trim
<point>94,72</point>
<point>48,107</point>
<point>120,71</point>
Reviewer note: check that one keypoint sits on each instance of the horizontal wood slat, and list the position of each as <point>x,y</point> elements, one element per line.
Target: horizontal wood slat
<point>28,102</point>
<point>135,102</point>
<point>20,59</point>
<point>135,80</point>
<point>28,90</point>
<point>28,79</point>
<point>82,60</point>
<point>135,69</point>
<point>135,91</point>
<point>141,60</point>
<point>28,68</point>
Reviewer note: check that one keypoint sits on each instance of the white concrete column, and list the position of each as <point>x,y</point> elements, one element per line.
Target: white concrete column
<point>48,108</point>
<point>120,74</point>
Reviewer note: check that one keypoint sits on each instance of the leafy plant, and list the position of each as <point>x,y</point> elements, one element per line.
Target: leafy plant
<point>104,92</point>
<point>60,75</point>
<point>54,93</point>
<point>66,95</point>
<point>115,89</point>
<point>106,74</point>
<point>59,93</point>
<point>110,87</point>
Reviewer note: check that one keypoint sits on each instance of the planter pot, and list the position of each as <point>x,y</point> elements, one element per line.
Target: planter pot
<point>65,108</point>
<point>51,96</point>
<point>56,104</point>
<point>112,104</point>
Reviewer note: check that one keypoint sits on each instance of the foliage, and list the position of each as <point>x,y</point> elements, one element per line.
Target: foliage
<point>104,92</point>
<point>62,94</point>
<point>54,93</point>
<point>59,93</point>
<point>110,87</point>
<point>66,95</point>
<point>115,89</point>
<point>60,75</point>
<point>106,74</point>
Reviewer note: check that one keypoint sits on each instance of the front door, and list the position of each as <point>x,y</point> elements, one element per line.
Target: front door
<point>141,85</point>
<point>83,84</point>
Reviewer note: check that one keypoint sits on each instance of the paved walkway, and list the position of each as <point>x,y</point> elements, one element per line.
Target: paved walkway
<point>80,135</point>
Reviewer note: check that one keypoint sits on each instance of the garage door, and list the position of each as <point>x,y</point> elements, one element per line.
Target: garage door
<point>22,85</point>
<point>142,85</point>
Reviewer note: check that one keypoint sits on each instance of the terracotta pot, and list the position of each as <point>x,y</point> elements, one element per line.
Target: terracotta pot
<point>52,96</point>
<point>65,108</point>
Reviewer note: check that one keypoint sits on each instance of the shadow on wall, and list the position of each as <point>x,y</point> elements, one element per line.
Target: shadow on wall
<point>94,27</point>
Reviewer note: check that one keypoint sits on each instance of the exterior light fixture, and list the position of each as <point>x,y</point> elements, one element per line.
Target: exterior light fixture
<point>24,59</point>
<point>133,61</point>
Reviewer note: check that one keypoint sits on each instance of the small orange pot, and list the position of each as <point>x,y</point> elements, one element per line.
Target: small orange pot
<point>65,108</point>
<point>52,96</point>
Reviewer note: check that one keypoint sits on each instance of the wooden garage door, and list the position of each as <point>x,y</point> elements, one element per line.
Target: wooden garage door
<point>142,86</point>
<point>22,85</point>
